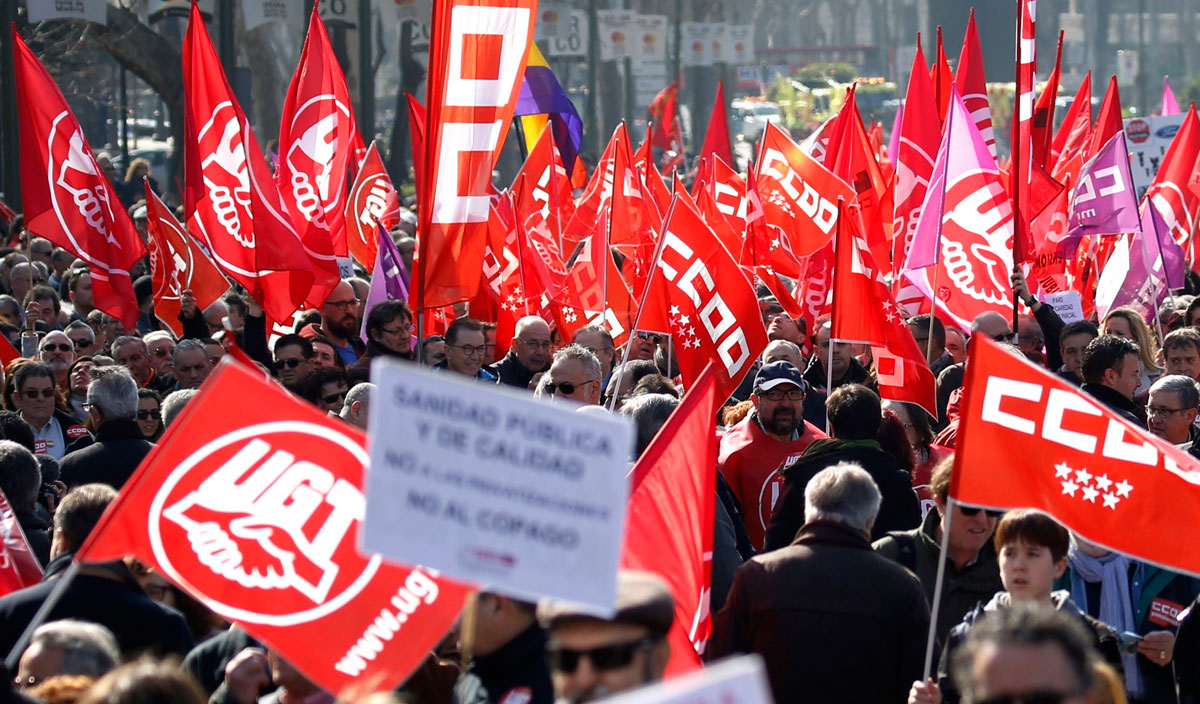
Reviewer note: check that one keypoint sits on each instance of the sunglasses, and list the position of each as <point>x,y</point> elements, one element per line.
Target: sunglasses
<point>656,339</point>
<point>290,363</point>
<point>63,347</point>
<point>334,398</point>
<point>144,414</point>
<point>968,512</point>
<point>33,393</point>
<point>608,657</point>
<point>1005,337</point>
<point>564,386</point>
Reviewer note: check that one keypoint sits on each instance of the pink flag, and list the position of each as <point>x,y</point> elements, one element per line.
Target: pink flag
<point>1170,106</point>
<point>1103,202</point>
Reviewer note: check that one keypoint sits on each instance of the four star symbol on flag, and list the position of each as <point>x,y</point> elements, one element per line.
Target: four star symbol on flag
<point>1082,484</point>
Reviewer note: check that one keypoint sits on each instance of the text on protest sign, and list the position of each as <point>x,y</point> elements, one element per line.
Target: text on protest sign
<point>491,486</point>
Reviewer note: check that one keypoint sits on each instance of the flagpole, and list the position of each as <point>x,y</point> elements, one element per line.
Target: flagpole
<point>935,605</point>
<point>1154,283</point>
<point>1017,176</point>
<point>14,655</point>
<point>637,321</point>
<point>837,235</point>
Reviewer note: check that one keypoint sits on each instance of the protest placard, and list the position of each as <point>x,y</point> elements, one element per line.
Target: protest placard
<point>491,486</point>
<point>1067,304</point>
<point>742,679</point>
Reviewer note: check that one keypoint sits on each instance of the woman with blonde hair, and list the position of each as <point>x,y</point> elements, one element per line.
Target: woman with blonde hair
<point>1126,322</point>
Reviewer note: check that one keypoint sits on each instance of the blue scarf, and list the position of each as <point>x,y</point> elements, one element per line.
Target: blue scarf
<point>1111,571</point>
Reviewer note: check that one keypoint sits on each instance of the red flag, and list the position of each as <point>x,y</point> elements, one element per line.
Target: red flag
<point>942,77</point>
<point>919,141</point>
<point>66,197</point>
<point>1178,205</point>
<point>234,208</point>
<point>1108,122</point>
<point>716,139</point>
<point>972,83</point>
<point>666,132</point>
<point>19,567</point>
<point>260,523</point>
<point>548,185</point>
<point>478,52</point>
<point>416,135</point>
<point>7,352</point>
<point>1043,113</point>
<point>373,203</point>
<point>864,311</point>
<point>668,524</point>
<point>1076,128</point>
<point>177,265</point>
<point>708,322</point>
<point>1069,455</point>
<point>317,142</point>
<point>851,158</point>
<point>799,195</point>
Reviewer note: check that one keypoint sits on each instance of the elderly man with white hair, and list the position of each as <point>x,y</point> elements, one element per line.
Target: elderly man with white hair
<point>357,404</point>
<point>834,621</point>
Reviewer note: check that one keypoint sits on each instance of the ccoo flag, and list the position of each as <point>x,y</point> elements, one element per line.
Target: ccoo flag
<point>1103,201</point>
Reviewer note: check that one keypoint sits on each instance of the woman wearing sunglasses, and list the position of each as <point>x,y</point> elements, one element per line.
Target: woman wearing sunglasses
<point>149,414</point>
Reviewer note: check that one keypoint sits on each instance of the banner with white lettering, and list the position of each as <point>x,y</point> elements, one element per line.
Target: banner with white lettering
<point>491,486</point>
<point>741,679</point>
<point>90,10</point>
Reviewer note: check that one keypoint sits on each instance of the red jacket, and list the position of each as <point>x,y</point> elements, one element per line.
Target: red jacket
<point>750,461</point>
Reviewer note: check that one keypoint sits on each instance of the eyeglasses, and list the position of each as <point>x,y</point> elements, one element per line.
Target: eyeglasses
<point>566,387</point>
<point>62,347</point>
<point>82,342</point>
<point>655,338</point>
<point>1040,697</point>
<point>33,394</point>
<point>399,329</point>
<point>342,304</point>
<point>780,394</point>
<point>290,363</point>
<point>535,344</point>
<point>968,512</point>
<point>334,398</point>
<point>607,657</point>
<point>157,592</point>
<point>470,350</point>
<point>144,414</point>
<point>1158,411</point>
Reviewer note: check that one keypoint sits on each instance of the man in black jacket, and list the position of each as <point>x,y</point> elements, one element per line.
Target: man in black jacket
<point>854,417</point>
<point>510,655</point>
<point>103,593</point>
<point>1111,375</point>
<point>20,479</point>
<point>119,446</point>
<point>833,620</point>
<point>529,354</point>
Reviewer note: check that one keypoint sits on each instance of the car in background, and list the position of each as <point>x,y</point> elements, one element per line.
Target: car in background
<point>750,117</point>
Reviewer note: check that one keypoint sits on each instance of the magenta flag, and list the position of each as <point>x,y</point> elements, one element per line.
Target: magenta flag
<point>962,151</point>
<point>1103,201</point>
<point>388,281</point>
<point>1170,106</point>
<point>1159,243</point>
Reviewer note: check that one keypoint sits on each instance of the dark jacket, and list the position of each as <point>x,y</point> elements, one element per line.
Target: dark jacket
<point>834,621</point>
<point>206,662</point>
<point>1052,326</point>
<point>482,375</point>
<point>114,600</point>
<point>918,550</point>
<point>900,510</point>
<point>817,378</point>
<point>518,669</point>
<point>361,370</point>
<point>1113,399</point>
<point>1187,655</point>
<point>511,372</point>
<point>37,530</point>
<point>1104,638</point>
<point>950,379</point>
<point>111,459</point>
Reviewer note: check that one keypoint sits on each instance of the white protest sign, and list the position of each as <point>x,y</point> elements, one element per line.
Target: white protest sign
<point>742,679</point>
<point>90,10</point>
<point>615,26</point>
<point>739,45</point>
<point>696,44</point>
<point>490,486</point>
<point>1148,139</point>
<point>550,20</point>
<point>649,36</point>
<point>1067,304</point>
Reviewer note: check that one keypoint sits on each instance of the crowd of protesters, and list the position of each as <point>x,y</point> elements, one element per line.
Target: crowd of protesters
<point>832,507</point>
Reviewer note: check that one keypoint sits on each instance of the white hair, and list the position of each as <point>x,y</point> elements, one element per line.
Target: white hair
<point>843,493</point>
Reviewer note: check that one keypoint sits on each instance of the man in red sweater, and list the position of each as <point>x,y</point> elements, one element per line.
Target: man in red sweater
<point>770,438</point>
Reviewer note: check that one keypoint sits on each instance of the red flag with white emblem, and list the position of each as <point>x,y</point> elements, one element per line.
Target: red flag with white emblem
<point>19,567</point>
<point>234,208</point>
<point>668,523</point>
<point>864,311</point>
<point>707,322</point>
<point>317,142</point>
<point>973,83</point>
<point>1070,456</point>
<point>66,196</point>
<point>920,137</point>
<point>259,521</point>
<point>372,204</point>
<point>177,265</point>
<point>1170,193</point>
<point>478,52</point>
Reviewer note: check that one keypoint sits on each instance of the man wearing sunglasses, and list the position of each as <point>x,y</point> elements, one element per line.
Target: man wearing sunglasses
<point>57,352</point>
<point>591,657</point>
<point>529,354</point>
<point>574,375</point>
<point>972,574</point>
<point>35,397</point>
<point>162,352</point>
<point>771,437</point>
<point>293,361</point>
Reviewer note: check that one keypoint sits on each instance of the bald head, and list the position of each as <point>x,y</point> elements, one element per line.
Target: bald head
<point>991,324</point>
<point>531,345</point>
